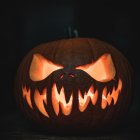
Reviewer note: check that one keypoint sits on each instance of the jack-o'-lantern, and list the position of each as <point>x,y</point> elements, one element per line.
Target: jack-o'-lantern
<point>79,83</point>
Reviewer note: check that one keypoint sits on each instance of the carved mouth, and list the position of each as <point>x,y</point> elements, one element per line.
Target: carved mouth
<point>59,101</point>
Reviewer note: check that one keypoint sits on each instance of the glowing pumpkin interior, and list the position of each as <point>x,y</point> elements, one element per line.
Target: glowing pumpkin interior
<point>102,70</point>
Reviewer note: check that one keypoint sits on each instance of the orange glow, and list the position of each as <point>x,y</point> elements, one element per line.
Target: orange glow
<point>59,99</point>
<point>84,101</point>
<point>41,68</point>
<point>102,70</point>
<point>114,94</point>
<point>107,98</point>
<point>26,94</point>
<point>39,99</point>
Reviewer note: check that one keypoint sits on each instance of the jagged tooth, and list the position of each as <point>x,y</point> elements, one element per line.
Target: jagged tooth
<point>59,87</point>
<point>94,100</point>
<point>120,85</point>
<point>91,89</point>
<point>82,93</point>
<point>115,94</point>
<point>38,98</point>
<point>55,99</point>
<point>66,107</point>
<point>109,98</point>
<point>104,99</point>
<point>27,95</point>
<point>67,93</point>
<point>24,91</point>
<point>43,94</point>
<point>93,95</point>
<point>104,94</point>
<point>83,102</point>
<point>104,103</point>
<point>70,104</point>
<point>62,96</point>
<point>80,97</point>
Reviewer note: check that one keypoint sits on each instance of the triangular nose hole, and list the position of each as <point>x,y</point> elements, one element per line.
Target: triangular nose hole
<point>68,72</point>
<point>67,75</point>
<point>72,75</point>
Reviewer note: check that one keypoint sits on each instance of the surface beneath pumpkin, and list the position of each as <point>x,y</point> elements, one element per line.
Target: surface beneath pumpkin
<point>16,127</point>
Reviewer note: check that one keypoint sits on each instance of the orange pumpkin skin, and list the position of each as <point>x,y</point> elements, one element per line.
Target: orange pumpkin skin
<point>74,83</point>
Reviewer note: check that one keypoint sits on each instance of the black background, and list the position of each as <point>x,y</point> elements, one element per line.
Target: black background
<point>26,24</point>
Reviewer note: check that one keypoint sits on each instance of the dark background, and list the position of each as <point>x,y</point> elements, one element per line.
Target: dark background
<point>26,24</point>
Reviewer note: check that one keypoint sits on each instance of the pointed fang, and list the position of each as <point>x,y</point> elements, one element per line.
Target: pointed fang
<point>39,99</point>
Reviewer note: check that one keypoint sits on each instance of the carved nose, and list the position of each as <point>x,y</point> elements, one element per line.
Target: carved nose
<point>68,72</point>
<point>67,75</point>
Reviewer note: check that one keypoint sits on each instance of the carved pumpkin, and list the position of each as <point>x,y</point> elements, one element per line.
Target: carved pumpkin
<point>74,83</point>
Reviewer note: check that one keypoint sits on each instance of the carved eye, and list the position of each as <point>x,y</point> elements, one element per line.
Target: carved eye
<point>102,70</point>
<point>41,68</point>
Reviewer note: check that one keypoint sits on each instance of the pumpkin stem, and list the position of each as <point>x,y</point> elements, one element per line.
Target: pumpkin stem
<point>75,32</point>
<point>72,32</point>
